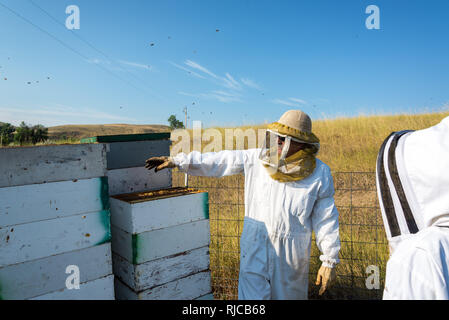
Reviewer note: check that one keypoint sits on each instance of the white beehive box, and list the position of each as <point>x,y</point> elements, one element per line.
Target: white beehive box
<point>125,157</point>
<point>160,244</point>
<point>54,212</point>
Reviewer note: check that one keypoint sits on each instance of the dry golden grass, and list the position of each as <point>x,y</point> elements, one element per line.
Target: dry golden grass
<point>351,144</point>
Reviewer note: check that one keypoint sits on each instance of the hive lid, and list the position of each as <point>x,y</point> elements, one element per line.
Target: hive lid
<point>127,137</point>
<point>136,197</point>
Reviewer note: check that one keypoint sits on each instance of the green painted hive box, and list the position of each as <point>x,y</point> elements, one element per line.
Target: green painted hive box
<point>160,237</point>
<point>127,137</point>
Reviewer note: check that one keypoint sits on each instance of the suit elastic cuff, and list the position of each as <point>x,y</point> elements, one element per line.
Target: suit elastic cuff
<point>177,159</point>
<point>328,262</point>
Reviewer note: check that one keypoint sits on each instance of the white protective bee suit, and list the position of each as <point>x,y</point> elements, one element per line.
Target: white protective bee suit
<point>413,189</point>
<point>279,219</point>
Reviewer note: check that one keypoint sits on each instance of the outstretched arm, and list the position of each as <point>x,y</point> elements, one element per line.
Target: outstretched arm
<point>212,164</point>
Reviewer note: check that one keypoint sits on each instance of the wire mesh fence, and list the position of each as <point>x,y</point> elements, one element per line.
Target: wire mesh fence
<point>364,248</point>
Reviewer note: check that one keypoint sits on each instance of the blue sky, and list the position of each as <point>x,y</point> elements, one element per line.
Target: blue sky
<point>232,62</point>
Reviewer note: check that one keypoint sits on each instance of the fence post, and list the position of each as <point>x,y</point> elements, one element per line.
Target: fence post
<point>351,213</point>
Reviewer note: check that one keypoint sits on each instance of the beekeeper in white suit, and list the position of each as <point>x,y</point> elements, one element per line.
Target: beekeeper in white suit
<point>413,189</point>
<point>288,193</point>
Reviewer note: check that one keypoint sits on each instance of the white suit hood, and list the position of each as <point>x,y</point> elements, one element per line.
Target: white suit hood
<point>412,177</point>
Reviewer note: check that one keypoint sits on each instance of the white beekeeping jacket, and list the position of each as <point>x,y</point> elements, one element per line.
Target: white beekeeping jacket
<point>412,178</point>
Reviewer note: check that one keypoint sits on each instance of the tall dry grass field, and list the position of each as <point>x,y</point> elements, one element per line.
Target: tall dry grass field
<point>349,146</point>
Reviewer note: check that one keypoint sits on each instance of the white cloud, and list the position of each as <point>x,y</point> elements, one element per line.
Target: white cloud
<point>115,65</point>
<point>291,102</point>
<point>285,102</point>
<point>217,95</point>
<point>104,64</point>
<point>187,94</point>
<point>230,82</point>
<point>250,83</point>
<point>223,93</point>
<point>297,100</point>
<point>135,64</point>
<point>197,66</point>
<point>185,69</point>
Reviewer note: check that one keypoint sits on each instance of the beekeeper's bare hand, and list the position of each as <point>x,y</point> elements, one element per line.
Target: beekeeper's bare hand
<point>326,276</point>
<point>159,163</point>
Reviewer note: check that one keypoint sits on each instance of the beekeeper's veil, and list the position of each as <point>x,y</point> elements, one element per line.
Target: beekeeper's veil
<point>412,177</point>
<point>293,126</point>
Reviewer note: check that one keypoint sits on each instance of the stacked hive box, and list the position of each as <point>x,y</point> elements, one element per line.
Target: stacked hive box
<point>161,249</point>
<point>126,155</point>
<point>54,213</point>
<point>160,235</point>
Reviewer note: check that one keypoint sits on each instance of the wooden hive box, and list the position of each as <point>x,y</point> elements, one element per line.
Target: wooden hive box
<point>54,212</point>
<point>125,157</point>
<point>161,244</point>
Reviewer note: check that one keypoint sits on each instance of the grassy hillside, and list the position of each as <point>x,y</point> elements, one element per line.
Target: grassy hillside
<point>76,132</point>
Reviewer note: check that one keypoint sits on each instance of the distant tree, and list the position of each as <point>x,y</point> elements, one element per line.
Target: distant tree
<point>175,123</point>
<point>27,134</point>
<point>6,133</point>
<point>23,134</point>
<point>39,133</point>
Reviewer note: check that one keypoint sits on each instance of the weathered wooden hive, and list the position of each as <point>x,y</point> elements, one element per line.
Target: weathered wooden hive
<point>160,234</point>
<point>54,213</point>
<point>126,155</point>
<point>161,244</point>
